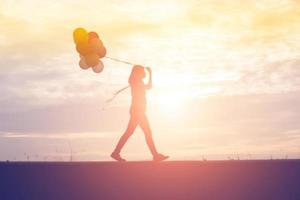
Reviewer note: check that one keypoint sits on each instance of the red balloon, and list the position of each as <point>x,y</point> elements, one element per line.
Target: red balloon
<point>92,59</point>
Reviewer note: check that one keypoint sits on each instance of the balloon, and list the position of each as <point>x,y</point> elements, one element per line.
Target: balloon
<point>80,35</point>
<point>83,48</point>
<point>92,59</point>
<point>90,48</point>
<point>92,35</point>
<point>98,68</point>
<point>102,52</point>
<point>82,63</point>
<point>96,46</point>
<point>95,43</point>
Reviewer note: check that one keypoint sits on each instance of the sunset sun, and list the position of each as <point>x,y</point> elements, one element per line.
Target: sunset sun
<point>169,104</point>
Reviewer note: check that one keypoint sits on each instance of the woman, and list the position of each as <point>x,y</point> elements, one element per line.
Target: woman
<point>137,113</point>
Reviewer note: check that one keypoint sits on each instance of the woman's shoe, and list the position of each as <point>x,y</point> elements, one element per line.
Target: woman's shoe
<point>117,157</point>
<point>159,157</point>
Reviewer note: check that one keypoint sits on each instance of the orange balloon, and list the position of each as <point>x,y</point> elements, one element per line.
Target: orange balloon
<point>98,68</point>
<point>95,43</point>
<point>82,63</point>
<point>92,59</point>
<point>83,48</point>
<point>92,35</point>
<point>80,35</point>
<point>96,46</point>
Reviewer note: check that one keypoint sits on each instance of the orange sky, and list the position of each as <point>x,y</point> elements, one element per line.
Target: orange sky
<point>225,77</point>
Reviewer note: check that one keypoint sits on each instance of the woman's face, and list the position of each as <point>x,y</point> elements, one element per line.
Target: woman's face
<point>141,73</point>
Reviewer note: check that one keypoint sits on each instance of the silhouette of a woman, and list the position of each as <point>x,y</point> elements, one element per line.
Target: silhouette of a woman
<point>137,113</point>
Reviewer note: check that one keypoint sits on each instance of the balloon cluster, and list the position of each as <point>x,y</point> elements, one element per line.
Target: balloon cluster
<point>90,48</point>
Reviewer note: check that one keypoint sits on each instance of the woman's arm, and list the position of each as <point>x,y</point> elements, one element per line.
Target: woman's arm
<point>149,84</point>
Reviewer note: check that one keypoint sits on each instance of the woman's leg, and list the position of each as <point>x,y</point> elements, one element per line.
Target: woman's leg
<point>129,131</point>
<point>145,126</point>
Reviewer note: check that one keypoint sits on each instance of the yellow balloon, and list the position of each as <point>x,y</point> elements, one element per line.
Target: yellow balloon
<point>80,35</point>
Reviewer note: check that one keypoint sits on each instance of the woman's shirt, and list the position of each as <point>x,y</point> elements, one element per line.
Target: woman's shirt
<point>138,93</point>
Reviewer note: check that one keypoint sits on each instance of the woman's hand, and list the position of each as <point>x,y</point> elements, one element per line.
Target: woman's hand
<point>149,70</point>
<point>149,85</point>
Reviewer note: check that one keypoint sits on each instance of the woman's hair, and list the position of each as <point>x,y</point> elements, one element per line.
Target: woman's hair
<point>137,73</point>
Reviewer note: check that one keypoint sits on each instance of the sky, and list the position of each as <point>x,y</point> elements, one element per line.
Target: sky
<point>225,79</point>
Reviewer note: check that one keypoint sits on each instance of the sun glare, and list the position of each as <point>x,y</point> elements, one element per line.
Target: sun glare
<point>171,103</point>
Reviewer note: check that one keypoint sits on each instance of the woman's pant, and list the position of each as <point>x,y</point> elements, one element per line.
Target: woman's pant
<point>134,121</point>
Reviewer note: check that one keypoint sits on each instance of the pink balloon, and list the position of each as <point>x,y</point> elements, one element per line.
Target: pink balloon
<point>83,64</point>
<point>98,68</point>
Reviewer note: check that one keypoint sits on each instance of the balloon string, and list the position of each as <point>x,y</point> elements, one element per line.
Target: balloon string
<point>114,96</point>
<point>118,60</point>
<point>116,93</point>
<point>108,101</point>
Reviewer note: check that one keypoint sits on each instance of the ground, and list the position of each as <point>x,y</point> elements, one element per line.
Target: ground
<point>207,180</point>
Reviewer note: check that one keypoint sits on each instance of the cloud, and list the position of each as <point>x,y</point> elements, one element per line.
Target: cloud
<point>260,124</point>
<point>66,136</point>
<point>280,76</point>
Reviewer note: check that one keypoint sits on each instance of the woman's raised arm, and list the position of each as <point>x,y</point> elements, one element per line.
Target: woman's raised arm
<point>149,84</point>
